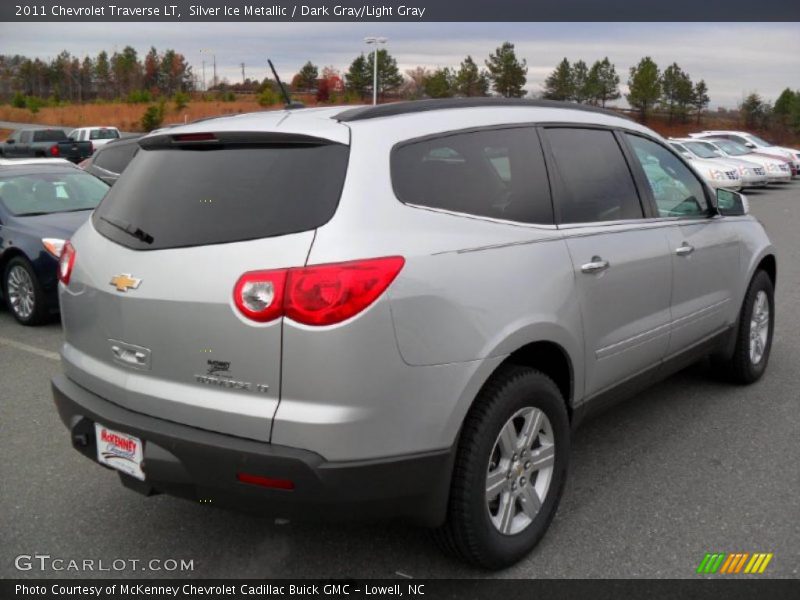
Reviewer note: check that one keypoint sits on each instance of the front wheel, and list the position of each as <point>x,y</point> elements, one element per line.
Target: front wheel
<point>754,333</point>
<point>23,292</point>
<point>510,469</point>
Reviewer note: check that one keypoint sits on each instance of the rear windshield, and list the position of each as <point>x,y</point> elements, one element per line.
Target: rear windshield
<point>171,198</point>
<point>103,134</point>
<point>49,135</point>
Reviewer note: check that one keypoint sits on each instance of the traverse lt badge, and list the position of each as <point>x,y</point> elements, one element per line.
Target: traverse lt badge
<point>124,282</point>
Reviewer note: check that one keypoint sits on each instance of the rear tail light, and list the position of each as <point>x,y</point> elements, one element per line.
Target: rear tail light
<point>54,151</point>
<point>267,482</point>
<point>316,295</point>
<point>65,263</point>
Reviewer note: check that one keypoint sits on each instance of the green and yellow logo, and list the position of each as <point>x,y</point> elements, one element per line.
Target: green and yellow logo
<point>734,563</point>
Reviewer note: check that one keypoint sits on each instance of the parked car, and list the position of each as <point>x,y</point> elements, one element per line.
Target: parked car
<point>98,136</point>
<point>109,161</point>
<point>398,310</point>
<point>777,169</point>
<point>756,144</point>
<point>42,202</point>
<point>751,174</point>
<point>44,143</point>
<point>716,174</point>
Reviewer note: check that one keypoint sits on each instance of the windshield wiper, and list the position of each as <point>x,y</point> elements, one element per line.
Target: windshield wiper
<point>130,230</point>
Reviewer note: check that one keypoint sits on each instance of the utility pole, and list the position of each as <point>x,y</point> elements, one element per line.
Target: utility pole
<point>243,78</point>
<point>375,40</point>
<point>215,68</point>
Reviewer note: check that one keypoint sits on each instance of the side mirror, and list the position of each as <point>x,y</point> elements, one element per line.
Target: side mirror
<point>750,144</point>
<point>731,204</point>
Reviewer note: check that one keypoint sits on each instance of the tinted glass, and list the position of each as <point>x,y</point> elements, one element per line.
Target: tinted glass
<point>498,174</point>
<point>595,183</point>
<point>190,197</point>
<point>703,150</point>
<point>677,191</point>
<point>115,157</point>
<point>103,134</point>
<point>49,135</point>
<point>45,193</point>
<point>733,148</point>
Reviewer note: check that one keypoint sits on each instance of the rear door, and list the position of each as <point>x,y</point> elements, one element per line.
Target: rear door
<point>149,317</point>
<point>621,261</point>
<point>705,250</point>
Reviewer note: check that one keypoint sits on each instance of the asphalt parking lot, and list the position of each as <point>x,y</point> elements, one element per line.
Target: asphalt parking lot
<point>691,466</point>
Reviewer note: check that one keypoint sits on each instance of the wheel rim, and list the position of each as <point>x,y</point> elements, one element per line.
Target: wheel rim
<point>21,295</point>
<point>759,327</point>
<point>520,470</point>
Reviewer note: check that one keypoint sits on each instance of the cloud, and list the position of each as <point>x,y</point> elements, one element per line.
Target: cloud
<point>733,58</point>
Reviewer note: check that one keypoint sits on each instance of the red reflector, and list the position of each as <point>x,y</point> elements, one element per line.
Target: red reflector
<point>194,137</point>
<point>54,151</point>
<point>267,482</point>
<point>65,263</point>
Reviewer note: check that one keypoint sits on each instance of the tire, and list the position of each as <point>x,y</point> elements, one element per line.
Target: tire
<point>475,530</point>
<point>744,366</point>
<point>23,293</point>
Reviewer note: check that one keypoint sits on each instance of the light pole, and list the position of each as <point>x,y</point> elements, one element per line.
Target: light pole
<point>375,40</point>
<point>207,51</point>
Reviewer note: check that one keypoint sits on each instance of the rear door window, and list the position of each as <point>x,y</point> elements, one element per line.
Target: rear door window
<point>498,173</point>
<point>592,180</point>
<point>115,158</point>
<point>191,196</point>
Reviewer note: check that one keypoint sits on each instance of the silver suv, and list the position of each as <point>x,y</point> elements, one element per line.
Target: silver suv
<point>399,310</point>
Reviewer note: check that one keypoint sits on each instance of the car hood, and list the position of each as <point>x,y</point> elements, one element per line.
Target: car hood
<point>55,225</point>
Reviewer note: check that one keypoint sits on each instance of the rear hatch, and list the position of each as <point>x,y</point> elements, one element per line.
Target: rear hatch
<point>149,316</point>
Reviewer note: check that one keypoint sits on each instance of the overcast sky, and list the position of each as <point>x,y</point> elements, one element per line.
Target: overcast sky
<point>733,58</point>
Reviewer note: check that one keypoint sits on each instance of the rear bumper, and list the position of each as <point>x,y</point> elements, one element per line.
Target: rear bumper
<point>202,466</point>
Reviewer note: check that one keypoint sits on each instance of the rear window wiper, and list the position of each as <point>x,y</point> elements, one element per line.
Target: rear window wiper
<point>130,230</point>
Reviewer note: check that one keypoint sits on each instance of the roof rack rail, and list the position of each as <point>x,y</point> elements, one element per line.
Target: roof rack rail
<point>415,106</point>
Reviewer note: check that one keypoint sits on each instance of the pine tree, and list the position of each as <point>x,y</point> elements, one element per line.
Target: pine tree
<point>507,73</point>
<point>559,85</point>
<point>644,86</point>
<point>471,81</point>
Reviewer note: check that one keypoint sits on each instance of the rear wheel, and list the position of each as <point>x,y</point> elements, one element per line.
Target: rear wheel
<point>23,293</point>
<point>510,469</point>
<point>754,333</point>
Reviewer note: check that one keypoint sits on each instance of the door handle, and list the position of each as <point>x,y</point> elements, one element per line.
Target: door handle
<point>684,249</point>
<point>595,266</point>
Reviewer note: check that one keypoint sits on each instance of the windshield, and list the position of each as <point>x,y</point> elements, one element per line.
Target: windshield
<point>702,150</point>
<point>103,134</point>
<point>758,141</point>
<point>732,148</point>
<point>53,192</point>
<point>193,197</point>
<point>49,135</point>
<point>681,149</point>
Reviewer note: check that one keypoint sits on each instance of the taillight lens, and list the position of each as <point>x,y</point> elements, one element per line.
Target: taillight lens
<point>65,263</point>
<point>316,295</point>
<point>54,151</point>
<point>259,294</point>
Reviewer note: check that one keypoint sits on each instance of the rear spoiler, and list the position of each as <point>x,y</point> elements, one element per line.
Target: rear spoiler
<point>197,139</point>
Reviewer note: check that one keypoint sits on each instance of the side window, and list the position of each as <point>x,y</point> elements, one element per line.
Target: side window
<point>494,173</point>
<point>25,137</point>
<point>116,158</point>
<point>677,190</point>
<point>594,181</point>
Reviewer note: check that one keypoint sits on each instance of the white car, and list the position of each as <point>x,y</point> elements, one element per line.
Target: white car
<point>753,142</point>
<point>12,162</point>
<point>777,170</point>
<point>98,135</point>
<point>752,174</point>
<point>715,173</point>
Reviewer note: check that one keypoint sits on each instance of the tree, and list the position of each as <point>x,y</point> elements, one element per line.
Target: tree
<point>440,84</point>
<point>507,73</point>
<point>786,111</point>
<point>644,86</point>
<point>754,111</point>
<point>306,79</point>
<point>102,73</point>
<point>700,98</point>
<point>359,76</point>
<point>580,82</point>
<point>414,84</point>
<point>389,77</point>
<point>152,70</point>
<point>471,81</point>
<point>676,91</point>
<point>603,83</point>
<point>559,85</point>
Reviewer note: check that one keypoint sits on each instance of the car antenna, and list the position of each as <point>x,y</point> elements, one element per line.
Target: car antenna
<point>289,102</point>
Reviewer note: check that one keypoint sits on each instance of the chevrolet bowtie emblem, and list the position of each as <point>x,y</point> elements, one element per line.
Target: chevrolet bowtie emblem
<point>124,282</point>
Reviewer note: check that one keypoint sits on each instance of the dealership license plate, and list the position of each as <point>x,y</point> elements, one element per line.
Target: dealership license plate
<point>119,451</point>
